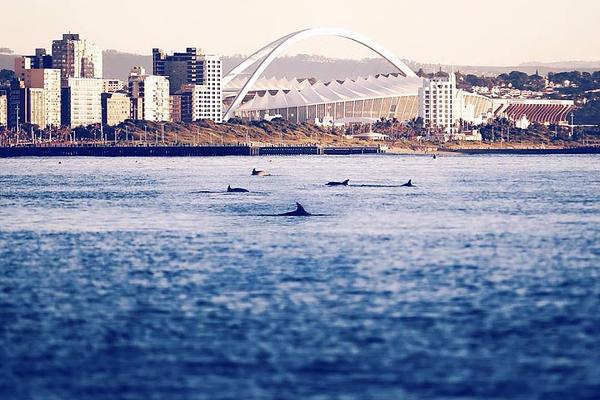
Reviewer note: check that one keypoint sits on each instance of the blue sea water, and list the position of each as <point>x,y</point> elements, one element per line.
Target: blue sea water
<point>142,279</point>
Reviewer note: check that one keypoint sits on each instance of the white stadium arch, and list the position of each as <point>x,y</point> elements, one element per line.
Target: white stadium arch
<point>273,50</point>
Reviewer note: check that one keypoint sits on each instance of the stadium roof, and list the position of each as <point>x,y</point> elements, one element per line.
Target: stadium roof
<point>283,93</point>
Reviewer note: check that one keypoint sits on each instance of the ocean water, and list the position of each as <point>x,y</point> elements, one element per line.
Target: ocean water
<point>141,279</point>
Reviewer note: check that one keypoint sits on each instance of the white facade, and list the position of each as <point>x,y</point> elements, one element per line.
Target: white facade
<point>49,81</point>
<point>203,107</point>
<point>440,104</point>
<point>34,106</point>
<point>211,102</point>
<point>153,91</point>
<point>85,102</point>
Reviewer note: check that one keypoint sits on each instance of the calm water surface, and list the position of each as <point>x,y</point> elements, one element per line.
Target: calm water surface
<point>141,279</point>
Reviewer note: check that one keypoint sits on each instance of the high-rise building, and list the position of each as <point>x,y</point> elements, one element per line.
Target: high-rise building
<point>212,105</point>
<point>116,108</point>
<point>40,60</point>
<point>26,105</point>
<point>81,102</point>
<point>34,110</point>
<point>76,58</point>
<point>196,78</point>
<point>49,81</point>
<point>149,96</point>
<point>439,104</point>
<point>193,68</point>
<point>180,68</point>
<point>16,104</point>
<point>3,109</point>
<point>197,103</point>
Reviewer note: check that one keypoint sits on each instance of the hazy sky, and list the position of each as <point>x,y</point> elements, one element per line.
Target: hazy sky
<point>476,32</point>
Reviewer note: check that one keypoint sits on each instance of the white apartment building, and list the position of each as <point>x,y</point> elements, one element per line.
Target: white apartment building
<point>82,102</point>
<point>34,106</point>
<point>49,81</point>
<point>211,102</point>
<point>440,104</point>
<point>196,103</point>
<point>76,58</point>
<point>150,96</point>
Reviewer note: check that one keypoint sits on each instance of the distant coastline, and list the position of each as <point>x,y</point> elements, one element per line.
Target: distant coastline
<point>529,151</point>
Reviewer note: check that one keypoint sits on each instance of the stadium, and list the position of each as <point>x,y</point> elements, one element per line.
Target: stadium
<point>251,96</point>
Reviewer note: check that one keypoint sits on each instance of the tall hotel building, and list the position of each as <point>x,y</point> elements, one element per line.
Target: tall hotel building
<point>48,81</point>
<point>439,104</point>
<point>82,102</point>
<point>149,96</point>
<point>35,99</point>
<point>34,106</point>
<point>212,107</point>
<point>192,75</point>
<point>76,58</point>
<point>38,99</point>
<point>179,68</point>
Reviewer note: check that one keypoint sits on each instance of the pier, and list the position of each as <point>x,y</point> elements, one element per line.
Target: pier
<point>178,151</point>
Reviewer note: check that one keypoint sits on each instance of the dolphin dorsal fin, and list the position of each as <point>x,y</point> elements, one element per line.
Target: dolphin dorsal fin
<point>346,181</point>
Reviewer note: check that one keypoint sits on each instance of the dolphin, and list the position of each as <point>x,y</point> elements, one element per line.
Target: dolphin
<point>345,183</point>
<point>236,190</point>
<point>260,173</point>
<point>408,184</point>
<point>298,212</point>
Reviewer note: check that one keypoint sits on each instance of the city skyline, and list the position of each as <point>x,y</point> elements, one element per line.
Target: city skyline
<point>267,199</point>
<point>542,30</point>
